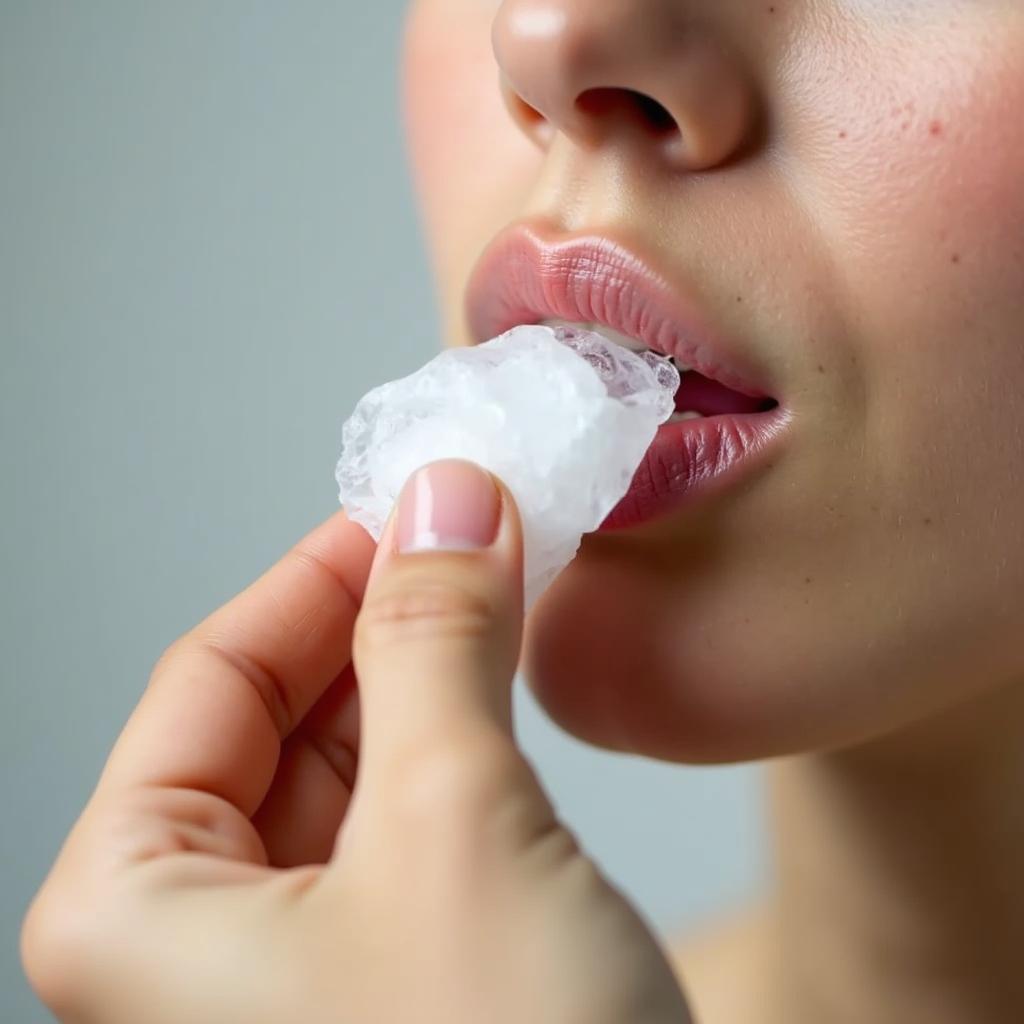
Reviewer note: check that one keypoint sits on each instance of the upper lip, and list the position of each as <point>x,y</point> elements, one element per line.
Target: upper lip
<point>529,274</point>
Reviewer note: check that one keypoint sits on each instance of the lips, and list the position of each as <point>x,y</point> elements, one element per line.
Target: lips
<point>529,275</point>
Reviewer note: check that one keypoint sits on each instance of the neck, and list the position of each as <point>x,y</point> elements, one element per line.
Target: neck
<point>900,874</point>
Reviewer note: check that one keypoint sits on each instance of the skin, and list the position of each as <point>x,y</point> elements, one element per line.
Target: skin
<point>232,866</point>
<point>855,220</point>
<point>269,841</point>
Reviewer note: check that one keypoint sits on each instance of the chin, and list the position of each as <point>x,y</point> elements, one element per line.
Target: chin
<point>614,658</point>
<point>654,653</point>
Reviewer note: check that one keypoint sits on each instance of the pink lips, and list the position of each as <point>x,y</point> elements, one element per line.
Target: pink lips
<point>525,278</point>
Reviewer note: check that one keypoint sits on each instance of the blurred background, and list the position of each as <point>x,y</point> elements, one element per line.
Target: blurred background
<point>208,251</point>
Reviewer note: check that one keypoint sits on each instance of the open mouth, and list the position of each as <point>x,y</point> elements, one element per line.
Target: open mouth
<point>698,396</point>
<point>714,428</point>
<point>731,412</point>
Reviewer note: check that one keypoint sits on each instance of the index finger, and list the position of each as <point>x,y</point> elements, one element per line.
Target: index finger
<point>224,696</point>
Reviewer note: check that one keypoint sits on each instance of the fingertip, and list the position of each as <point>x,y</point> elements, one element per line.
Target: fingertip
<point>449,505</point>
<point>452,506</point>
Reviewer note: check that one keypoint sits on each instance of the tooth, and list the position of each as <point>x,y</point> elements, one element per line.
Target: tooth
<point>688,414</point>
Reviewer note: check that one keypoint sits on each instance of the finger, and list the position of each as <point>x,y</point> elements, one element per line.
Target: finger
<point>437,641</point>
<point>299,818</point>
<point>225,695</point>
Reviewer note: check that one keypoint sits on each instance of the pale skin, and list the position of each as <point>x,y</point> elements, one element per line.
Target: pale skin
<point>225,869</point>
<point>846,199</point>
<point>860,605</point>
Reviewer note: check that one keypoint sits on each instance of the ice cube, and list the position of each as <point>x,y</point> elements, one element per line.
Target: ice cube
<point>562,416</point>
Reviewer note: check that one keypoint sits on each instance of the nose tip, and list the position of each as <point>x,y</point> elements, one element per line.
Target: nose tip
<point>593,69</point>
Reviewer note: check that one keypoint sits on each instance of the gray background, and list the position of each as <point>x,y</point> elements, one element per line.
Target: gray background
<point>208,251</point>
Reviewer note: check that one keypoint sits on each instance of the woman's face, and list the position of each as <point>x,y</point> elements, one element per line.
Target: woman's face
<point>839,183</point>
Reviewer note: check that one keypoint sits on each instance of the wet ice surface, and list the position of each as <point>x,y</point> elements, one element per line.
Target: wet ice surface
<point>562,415</point>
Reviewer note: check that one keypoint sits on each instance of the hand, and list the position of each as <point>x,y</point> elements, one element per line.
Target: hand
<point>220,872</point>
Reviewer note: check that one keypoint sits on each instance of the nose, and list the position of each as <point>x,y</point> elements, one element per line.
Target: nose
<point>590,69</point>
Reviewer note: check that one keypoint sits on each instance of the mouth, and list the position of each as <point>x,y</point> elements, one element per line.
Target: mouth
<point>726,412</point>
<point>698,397</point>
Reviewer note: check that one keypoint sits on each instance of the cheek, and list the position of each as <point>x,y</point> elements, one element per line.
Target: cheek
<point>918,190</point>
<point>472,167</point>
<point>909,162</point>
<point>918,193</point>
<point>909,167</point>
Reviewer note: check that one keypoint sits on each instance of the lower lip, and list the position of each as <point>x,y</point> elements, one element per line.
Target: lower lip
<point>696,459</point>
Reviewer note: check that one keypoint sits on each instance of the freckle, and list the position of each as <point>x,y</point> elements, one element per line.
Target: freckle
<point>807,579</point>
<point>905,125</point>
<point>739,298</point>
<point>874,508</point>
<point>821,369</point>
<point>927,520</point>
<point>955,258</point>
<point>935,128</point>
<point>842,135</point>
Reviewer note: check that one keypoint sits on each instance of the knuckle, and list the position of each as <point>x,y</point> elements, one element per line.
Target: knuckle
<point>198,650</point>
<point>458,784</point>
<point>550,844</point>
<point>264,679</point>
<point>425,609</point>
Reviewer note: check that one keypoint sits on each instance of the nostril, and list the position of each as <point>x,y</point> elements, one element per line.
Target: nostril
<point>603,102</point>
<point>656,115</point>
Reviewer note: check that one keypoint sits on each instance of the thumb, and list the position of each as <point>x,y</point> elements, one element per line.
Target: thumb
<point>437,641</point>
